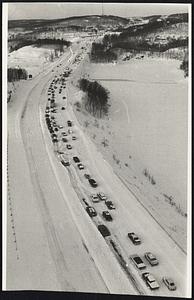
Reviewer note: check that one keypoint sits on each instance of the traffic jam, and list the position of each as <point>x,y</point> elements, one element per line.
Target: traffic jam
<point>67,156</point>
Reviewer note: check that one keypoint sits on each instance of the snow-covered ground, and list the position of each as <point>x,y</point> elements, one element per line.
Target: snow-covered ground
<point>51,227</point>
<point>33,59</point>
<point>146,129</point>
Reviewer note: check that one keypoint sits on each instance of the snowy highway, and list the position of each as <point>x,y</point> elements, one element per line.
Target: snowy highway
<point>54,236</point>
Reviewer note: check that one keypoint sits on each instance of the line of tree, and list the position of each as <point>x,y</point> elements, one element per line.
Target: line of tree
<point>39,42</point>
<point>137,42</point>
<point>15,74</point>
<point>96,101</point>
<point>101,53</point>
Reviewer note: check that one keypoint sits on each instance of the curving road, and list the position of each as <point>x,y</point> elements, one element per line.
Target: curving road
<point>52,242</point>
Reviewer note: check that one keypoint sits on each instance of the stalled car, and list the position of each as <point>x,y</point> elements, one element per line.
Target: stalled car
<point>64,133</point>
<point>109,204</point>
<point>93,182</point>
<point>74,138</point>
<point>91,211</point>
<point>151,258</point>
<point>150,281</point>
<point>104,230</point>
<point>102,196</point>
<point>107,216</point>
<point>69,146</point>
<point>94,198</point>
<point>87,176</point>
<point>138,262</point>
<point>69,123</point>
<point>169,282</point>
<point>80,166</point>
<point>76,159</point>
<point>65,163</point>
<point>134,238</point>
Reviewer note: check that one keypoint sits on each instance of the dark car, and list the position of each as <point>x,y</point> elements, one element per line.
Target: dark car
<point>107,216</point>
<point>91,211</point>
<point>134,238</point>
<point>69,146</point>
<point>87,176</point>
<point>65,163</point>
<point>76,159</point>
<point>93,182</point>
<point>69,123</point>
<point>64,140</point>
<point>104,230</point>
<point>109,204</point>
<point>62,108</point>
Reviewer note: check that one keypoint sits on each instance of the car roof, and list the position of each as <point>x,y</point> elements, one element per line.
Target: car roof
<point>150,255</point>
<point>151,278</point>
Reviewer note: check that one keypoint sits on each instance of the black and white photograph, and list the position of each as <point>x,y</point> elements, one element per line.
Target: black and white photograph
<point>97,148</point>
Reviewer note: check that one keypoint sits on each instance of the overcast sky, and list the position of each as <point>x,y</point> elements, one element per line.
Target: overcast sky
<point>56,10</point>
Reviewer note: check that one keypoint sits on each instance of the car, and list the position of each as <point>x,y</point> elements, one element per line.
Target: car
<point>107,216</point>
<point>76,159</point>
<point>65,163</point>
<point>94,198</point>
<point>80,166</point>
<point>62,108</point>
<point>93,182</point>
<point>169,282</point>
<point>55,140</point>
<point>150,281</point>
<point>74,138</point>
<point>70,131</point>
<point>91,211</point>
<point>134,238</point>
<point>69,123</point>
<point>64,140</point>
<point>60,152</point>
<point>64,133</point>
<point>87,176</point>
<point>60,126</point>
<point>54,135</point>
<point>138,262</point>
<point>151,259</point>
<point>56,129</point>
<point>104,230</point>
<point>109,204</point>
<point>102,196</point>
<point>69,146</point>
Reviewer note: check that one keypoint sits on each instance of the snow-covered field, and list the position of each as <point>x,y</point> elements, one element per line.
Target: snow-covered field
<point>147,129</point>
<point>33,59</point>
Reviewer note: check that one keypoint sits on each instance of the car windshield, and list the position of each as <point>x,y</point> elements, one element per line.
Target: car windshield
<point>138,260</point>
